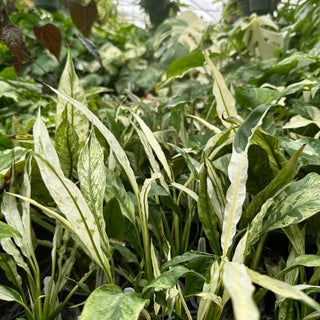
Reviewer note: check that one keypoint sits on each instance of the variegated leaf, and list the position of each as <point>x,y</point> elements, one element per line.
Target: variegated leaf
<point>70,85</point>
<point>240,288</point>
<point>66,194</point>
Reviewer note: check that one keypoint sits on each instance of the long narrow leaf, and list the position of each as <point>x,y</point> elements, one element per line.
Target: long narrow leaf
<point>281,288</point>
<point>92,177</point>
<point>154,145</point>
<point>207,215</point>
<point>153,162</point>
<point>7,231</point>
<point>284,176</point>
<point>188,191</point>
<point>12,215</point>
<point>70,85</point>
<point>66,194</point>
<point>210,289</point>
<point>111,139</point>
<point>226,105</point>
<point>237,172</point>
<point>240,288</point>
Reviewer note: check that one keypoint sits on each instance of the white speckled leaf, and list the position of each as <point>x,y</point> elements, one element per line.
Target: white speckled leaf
<point>92,176</point>
<point>65,193</point>
<point>297,202</point>
<point>108,302</point>
<point>111,139</point>
<point>70,84</point>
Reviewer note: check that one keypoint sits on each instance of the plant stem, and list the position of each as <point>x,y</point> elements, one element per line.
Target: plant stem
<point>257,255</point>
<point>184,303</point>
<point>146,244</point>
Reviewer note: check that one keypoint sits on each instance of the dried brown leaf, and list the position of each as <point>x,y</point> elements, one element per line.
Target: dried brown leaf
<point>84,16</point>
<point>17,66</point>
<point>50,37</point>
<point>12,37</point>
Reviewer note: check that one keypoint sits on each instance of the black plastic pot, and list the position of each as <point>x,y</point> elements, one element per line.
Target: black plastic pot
<point>50,5</point>
<point>262,6</point>
<point>245,7</point>
<point>259,7</point>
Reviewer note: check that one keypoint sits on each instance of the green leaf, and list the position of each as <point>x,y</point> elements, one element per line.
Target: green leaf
<point>284,176</point>
<point>259,171</point>
<point>309,155</point>
<point>271,145</point>
<point>9,294</point>
<point>281,288</point>
<point>10,268</point>
<point>296,202</point>
<point>125,252</point>
<point>240,288</point>
<point>108,302</point>
<point>180,67</point>
<point>207,214</point>
<point>114,220</point>
<point>306,260</point>
<point>114,189</point>
<point>169,279</point>
<point>192,164</point>
<point>245,131</point>
<point>237,172</point>
<point>193,284</point>
<point>250,97</point>
<point>154,145</point>
<point>225,103</point>
<point>70,85</point>
<point>294,87</point>
<point>6,231</point>
<point>67,146</point>
<point>187,256</point>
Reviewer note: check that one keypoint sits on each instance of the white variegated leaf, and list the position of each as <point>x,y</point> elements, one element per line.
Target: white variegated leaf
<point>66,194</point>
<point>92,177</point>
<point>225,102</point>
<point>110,138</point>
<point>70,84</point>
<point>236,194</point>
<point>240,288</point>
<point>188,191</point>
<point>281,288</point>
